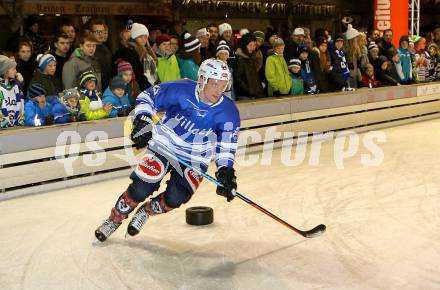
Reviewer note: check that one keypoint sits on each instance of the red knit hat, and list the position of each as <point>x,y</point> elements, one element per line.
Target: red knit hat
<point>162,38</point>
<point>124,66</point>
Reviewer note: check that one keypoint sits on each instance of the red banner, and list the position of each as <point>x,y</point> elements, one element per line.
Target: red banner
<point>392,14</point>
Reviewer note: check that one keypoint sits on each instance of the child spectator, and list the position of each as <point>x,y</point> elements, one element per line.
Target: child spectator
<point>383,72</point>
<point>167,66</point>
<point>421,63</point>
<point>37,111</point>
<point>339,74</point>
<point>306,71</point>
<point>90,101</point>
<point>396,70</point>
<point>368,79</point>
<point>373,52</point>
<point>277,73</point>
<point>25,63</point>
<point>223,55</point>
<point>320,63</point>
<point>125,71</point>
<point>297,87</point>
<point>11,98</point>
<point>433,58</point>
<point>247,80</point>
<point>68,109</point>
<point>190,59</point>
<point>116,94</point>
<point>45,76</point>
<point>405,58</point>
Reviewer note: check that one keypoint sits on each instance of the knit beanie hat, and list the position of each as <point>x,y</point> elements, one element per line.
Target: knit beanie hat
<point>299,31</point>
<point>404,38</point>
<point>202,32</point>
<point>44,60</point>
<point>5,64</point>
<point>338,37</point>
<point>222,46</point>
<point>351,32</point>
<point>418,41</point>
<point>224,27</point>
<point>244,31</point>
<point>259,34</point>
<point>294,62</point>
<point>302,48</point>
<point>118,83</point>
<point>432,44</point>
<point>190,43</point>
<point>245,40</point>
<point>372,45</point>
<point>278,42</point>
<point>36,90</point>
<point>87,76</point>
<point>162,38</point>
<point>138,29</point>
<point>70,93</point>
<point>124,66</point>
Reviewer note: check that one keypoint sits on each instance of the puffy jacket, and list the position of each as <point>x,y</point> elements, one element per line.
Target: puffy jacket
<point>247,80</point>
<point>50,83</point>
<point>168,69</point>
<point>91,114</point>
<point>188,68</point>
<point>121,106</point>
<point>35,115</point>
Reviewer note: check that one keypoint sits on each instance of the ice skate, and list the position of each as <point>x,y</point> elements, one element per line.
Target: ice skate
<point>137,222</point>
<point>107,228</point>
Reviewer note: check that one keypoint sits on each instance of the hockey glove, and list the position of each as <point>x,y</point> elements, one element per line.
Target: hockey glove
<point>226,176</point>
<point>142,131</point>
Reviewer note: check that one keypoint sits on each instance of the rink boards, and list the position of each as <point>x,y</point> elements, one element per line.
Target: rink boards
<point>30,161</point>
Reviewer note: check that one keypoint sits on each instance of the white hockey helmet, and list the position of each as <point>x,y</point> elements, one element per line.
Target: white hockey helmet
<point>213,69</point>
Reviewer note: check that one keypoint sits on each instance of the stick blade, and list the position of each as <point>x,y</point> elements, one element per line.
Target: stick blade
<point>315,232</point>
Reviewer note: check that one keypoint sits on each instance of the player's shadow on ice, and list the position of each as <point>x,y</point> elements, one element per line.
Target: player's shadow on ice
<point>210,260</point>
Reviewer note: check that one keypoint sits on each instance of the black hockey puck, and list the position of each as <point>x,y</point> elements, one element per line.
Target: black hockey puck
<point>199,215</point>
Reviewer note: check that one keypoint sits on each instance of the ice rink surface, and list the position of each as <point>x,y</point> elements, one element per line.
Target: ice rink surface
<point>383,229</point>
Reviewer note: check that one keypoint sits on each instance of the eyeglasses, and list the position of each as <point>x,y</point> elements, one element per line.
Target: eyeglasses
<point>100,32</point>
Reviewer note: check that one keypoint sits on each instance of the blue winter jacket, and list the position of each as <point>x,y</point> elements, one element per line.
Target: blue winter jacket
<point>188,68</point>
<point>405,58</point>
<point>35,115</point>
<point>121,105</point>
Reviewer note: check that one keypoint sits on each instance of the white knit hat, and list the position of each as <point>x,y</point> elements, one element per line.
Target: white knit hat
<point>202,32</point>
<point>244,31</point>
<point>351,32</point>
<point>224,27</point>
<point>222,47</point>
<point>298,31</point>
<point>138,29</point>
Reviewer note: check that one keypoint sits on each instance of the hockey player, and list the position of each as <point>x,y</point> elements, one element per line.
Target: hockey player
<point>199,123</point>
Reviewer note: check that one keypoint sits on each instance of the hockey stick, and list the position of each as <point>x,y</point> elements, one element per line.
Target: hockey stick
<point>316,231</point>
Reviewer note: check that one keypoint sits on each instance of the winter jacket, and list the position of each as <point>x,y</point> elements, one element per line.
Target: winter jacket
<point>188,68</point>
<point>35,115</point>
<point>339,73</point>
<point>121,105</point>
<point>145,71</point>
<point>103,56</point>
<point>396,71</point>
<point>77,64</point>
<point>168,69</point>
<point>62,113</point>
<point>422,64</point>
<point>93,110</point>
<point>321,76</point>
<point>432,66</point>
<point>369,82</point>
<point>277,75</point>
<point>307,76</point>
<point>247,80</point>
<point>50,83</point>
<point>11,105</point>
<point>297,87</point>
<point>27,69</point>
<point>405,59</point>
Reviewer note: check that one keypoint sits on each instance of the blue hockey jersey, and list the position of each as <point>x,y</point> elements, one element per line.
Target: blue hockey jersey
<point>194,131</point>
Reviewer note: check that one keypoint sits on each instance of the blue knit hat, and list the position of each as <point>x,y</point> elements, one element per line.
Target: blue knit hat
<point>44,60</point>
<point>118,83</point>
<point>36,90</point>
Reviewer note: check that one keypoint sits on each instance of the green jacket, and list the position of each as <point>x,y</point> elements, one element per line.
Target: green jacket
<point>168,69</point>
<point>277,75</point>
<point>297,86</point>
<point>92,114</point>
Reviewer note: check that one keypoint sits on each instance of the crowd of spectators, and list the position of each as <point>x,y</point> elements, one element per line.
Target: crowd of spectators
<point>77,77</point>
